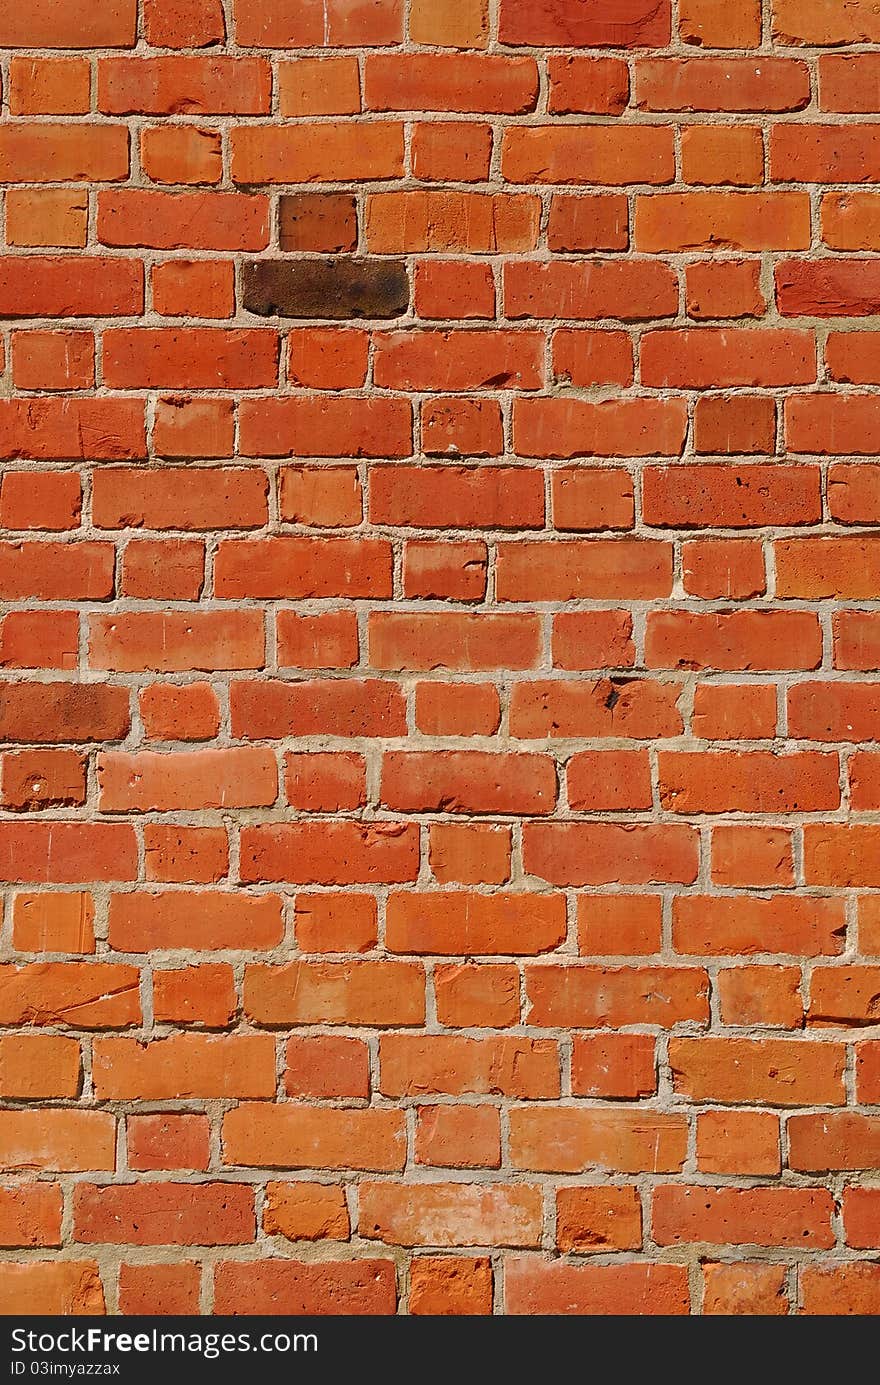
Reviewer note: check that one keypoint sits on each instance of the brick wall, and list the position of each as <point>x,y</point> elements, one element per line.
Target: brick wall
<point>440,782</point>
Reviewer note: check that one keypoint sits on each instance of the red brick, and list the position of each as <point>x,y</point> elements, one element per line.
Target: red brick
<point>585,498</point>
<point>726,220</point>
<point>308,23</point>
<point>59,1286</point>
<point>585,997</point>
<point>824,153</point>
<point>731,497</point>
<point>320,86</point>
<point>62,921</point>
<point>626,289</point>
<point>454,289</point>
<point>70,286</point>
<point>337,427</point>
<point>34,1067</point>
<point>183,220</point>
<point>30,1215</point>
<point>739,424</point>
<point>733,640</point>
<point>338,853</point>
<point>349,707</point>
<point>458,923</point>
<point>306,1211</point>
<point>726,156</point>
<point>434,497</point>
<point>633,23</point>
<point>478,223</point>
<point>738,1142</point>
<point>36,779</point>
<point>770,1072</point>
<point>184,1066</point>
<point>189,358</point>
<point>613,1065</point>
<point>40,500</point>
<point>54,152</point>
<point>462,427</point>
<point>168,1142</point>
<point>604,1218</point>
<point>588,86</point>
<point>588,222</point>
<point>203,995</point>
<point>587,154</point>
<point>595,708</point>
<point>536,1285</point>
<point>451,1214</point>
<point>441,82</point>
<point>755,781</point>
<point>53,361</point>
<point>752,855</point>
<point>189,155</point>
<point>592,358</point>
<point>593,639</point>
<point>847,1289</point>
<point>597,853</point>
<point>335,923</point>
<point>185,855</point>
<point>459,1137</point>
<point>184,23</point>
<point>583,568</point>
<point>199,427</point>
<point>450,1285</point>
<point>440,570</point>
<point>329,152</point>
<point>172,713</point>
<point>705,24</point>
<point>329,640</point>
<point>176,641</point>
<point>468,782</point>
<point>199,288</point>
<point>64,24</point>
<point>62,711</point>
<point>722,569</point>
<point>740,926</point>
<point>191,85</point>
<point>722,84</point>
<point>59,1139</point>
<point>570,1139</point>
<point>178,919</point>
<point>170,1290</point>
<point>563,427</point>
<point>469,853</point>
<point>453,640</point>
<point>413,1065</point>
<point>49,86</point>
<point>327,1067</point>
<point>179,498</point>
<point>451,152</point>
<point>350,993</point>
<point>771,1216</point>
<point>287,1287</point>
<point>619,924</point>
<point>470,994</point>
<point>164,1214</point>
<point>296,1136</point>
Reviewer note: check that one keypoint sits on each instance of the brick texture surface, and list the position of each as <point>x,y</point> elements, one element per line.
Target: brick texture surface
<point>440,700</point>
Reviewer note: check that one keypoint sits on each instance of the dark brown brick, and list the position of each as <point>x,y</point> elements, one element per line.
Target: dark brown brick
<point>326,288</point>
<point>318,221</point>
